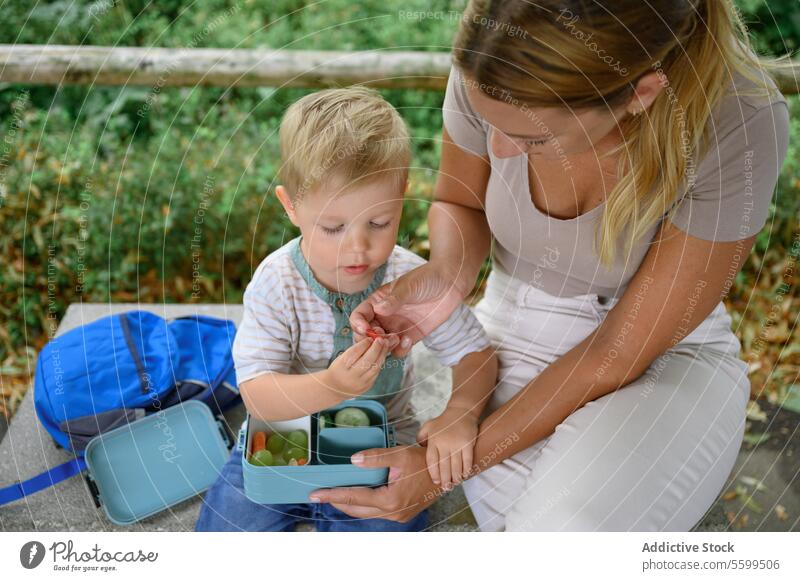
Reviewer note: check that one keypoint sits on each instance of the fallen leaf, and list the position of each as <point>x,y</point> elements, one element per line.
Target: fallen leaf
<point>780,512</point>
<point>756,439</point>
<point>750,481</point>
<point>752,505</point>
<point>754,412</point>
<point>778,333</point>
<point>730,495</point>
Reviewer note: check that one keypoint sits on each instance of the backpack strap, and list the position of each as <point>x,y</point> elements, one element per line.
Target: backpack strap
<point>140,369</point>
<point>44,480</point>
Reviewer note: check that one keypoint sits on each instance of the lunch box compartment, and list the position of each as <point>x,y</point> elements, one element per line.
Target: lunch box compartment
<point>336,445</point>
<point>329,456</point>
<point>257,425</point>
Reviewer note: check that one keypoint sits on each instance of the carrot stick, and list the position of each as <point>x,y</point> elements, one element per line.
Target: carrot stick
<point>259,442</point>
<point>374,334</point>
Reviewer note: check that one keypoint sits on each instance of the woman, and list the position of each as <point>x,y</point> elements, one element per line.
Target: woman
<point>621,162</point>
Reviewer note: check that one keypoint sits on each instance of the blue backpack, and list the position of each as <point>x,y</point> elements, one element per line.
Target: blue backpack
<point>121,368</point>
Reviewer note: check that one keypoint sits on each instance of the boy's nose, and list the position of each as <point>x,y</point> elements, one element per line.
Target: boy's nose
<point>358,241</point>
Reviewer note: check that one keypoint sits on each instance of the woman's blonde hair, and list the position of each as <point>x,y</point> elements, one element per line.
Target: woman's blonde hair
<point>351,134</point>
<point>556,53</point>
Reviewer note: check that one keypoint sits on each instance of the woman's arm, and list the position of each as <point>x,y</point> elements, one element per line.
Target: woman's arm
<point>680,281</point>
<point>460,237</point>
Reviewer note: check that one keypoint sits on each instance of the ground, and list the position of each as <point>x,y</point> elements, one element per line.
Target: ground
<point>763,491</point>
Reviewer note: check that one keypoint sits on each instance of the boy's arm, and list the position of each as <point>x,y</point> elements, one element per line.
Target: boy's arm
<point>474,379</point>
<point>450,437</point>
<point>273,396</point>
<point>263,351</point>
<point>462,344</point>
<point>279,396</point>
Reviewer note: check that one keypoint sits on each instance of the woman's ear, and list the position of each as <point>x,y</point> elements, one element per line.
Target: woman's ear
<point>287,204</point>
<point>648,87</point>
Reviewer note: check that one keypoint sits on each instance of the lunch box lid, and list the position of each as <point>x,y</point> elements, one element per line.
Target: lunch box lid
<point>142,468</point>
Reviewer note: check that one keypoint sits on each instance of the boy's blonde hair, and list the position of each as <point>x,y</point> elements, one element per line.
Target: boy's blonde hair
<point>351,133</point>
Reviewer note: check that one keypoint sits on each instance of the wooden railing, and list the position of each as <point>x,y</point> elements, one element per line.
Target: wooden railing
<point>178,67</point>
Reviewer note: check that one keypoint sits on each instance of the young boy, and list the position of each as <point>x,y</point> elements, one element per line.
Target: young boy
<point>344,174</point>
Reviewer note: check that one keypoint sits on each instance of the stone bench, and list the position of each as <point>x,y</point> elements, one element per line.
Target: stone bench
<point>27,450</point>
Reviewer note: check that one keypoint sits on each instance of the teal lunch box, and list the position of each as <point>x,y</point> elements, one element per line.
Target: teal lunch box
<point>329,456</point>
<point>149,465</point>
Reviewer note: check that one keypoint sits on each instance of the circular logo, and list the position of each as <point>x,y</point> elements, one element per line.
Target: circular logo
<point>31,554</point>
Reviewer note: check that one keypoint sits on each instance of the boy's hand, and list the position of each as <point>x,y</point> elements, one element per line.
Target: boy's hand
<point>354,372</point>
<point>450,441</point>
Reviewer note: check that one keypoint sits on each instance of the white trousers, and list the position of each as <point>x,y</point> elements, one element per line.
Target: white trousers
<point>651,456</point>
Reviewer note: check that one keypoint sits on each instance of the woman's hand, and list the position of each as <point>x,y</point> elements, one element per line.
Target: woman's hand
<point>410,306</point>
<point>408,492</point>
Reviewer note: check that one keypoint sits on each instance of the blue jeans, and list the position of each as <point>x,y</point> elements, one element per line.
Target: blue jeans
<point>226,508</point>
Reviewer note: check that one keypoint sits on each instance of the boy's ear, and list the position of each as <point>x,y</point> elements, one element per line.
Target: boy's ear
<point>404,186</point>
<point>287,204</point>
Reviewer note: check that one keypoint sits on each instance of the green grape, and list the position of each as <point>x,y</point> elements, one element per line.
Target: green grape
<point>262,458</point>
<point>296,453</point>
<point>298,438</point>
<point>276,443</point>
<point>326,421</point>
<point>351,417</point>
<point>278,461</point>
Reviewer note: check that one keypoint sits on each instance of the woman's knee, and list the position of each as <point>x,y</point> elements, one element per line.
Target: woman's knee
<point>637,457</point>
<point>556,510</point>
<point>583,506</point>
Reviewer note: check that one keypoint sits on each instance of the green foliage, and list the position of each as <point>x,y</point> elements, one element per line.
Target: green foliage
<point>774,25</point>
<point>163,194</point>
<point>774,29</point>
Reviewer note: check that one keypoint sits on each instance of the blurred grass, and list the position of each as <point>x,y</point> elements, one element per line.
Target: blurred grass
<point>112,194</point>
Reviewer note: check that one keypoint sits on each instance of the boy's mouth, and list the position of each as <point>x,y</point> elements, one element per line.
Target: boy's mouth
<point>356,269</point>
